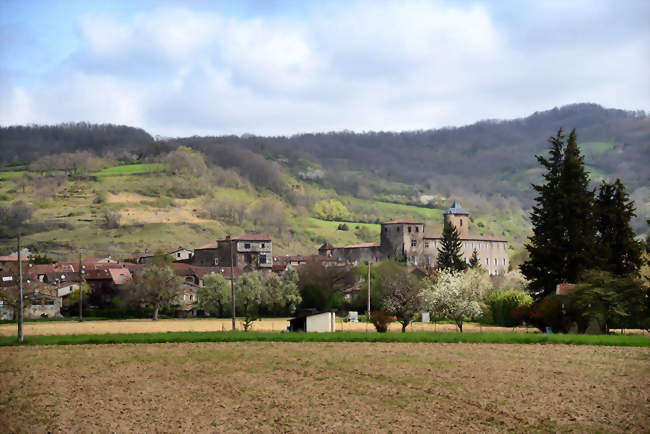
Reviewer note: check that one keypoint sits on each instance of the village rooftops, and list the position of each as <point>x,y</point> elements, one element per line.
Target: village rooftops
<point>402,222</point>
<point>456,209</point>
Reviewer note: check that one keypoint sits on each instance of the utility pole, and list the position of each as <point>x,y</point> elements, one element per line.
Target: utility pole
<point>232,283</point>
<point>81,289</point>
<point>368,312</point>
<point>21,337</point>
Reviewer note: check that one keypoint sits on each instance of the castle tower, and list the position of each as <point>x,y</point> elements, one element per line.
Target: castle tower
<point>458,217</point>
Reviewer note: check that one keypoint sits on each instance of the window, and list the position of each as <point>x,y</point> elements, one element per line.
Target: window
<point>426,244</point>
<point>435,244</point>
<point>263,245</point>
<point>487,261</point>
<point>504,261</point>
<point>178,255</point>
<point>262,259</point>
<point>465,244</point>
<point>414,243</point>
<point>397,228</point>
<point>247,245</point>
<point>466,261</point>
<point>409,229</point>
<point>417,229</point>
<point>496,261</point>
<point>461,223</point>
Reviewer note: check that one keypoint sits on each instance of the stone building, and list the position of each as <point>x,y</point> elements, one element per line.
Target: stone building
<point>253,251</point>
<point>407,240</point>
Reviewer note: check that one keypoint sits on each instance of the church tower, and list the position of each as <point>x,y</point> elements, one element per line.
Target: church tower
<point>458,217</point>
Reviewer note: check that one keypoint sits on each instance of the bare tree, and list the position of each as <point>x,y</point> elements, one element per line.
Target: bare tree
<point>157,286</point>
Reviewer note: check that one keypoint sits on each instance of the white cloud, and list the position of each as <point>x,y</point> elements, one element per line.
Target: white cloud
<point>361,66</point>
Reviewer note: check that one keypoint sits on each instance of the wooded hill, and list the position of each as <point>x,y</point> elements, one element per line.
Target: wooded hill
<point>376,175</point>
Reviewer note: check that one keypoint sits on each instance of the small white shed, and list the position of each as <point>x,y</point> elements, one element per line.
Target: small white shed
<point>319,322</point>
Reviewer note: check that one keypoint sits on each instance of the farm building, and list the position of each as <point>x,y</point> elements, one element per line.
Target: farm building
<point>319,322</point>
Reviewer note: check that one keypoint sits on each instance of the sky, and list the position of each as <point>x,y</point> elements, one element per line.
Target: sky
<point>287,67</point>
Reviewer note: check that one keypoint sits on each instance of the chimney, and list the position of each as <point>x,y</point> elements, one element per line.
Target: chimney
<point>227,237</point>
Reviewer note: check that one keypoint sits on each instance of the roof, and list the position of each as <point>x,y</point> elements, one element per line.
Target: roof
<point>565,288</point>
<point>468,237</point>
<point>402,222</point>
<point>120,275</point>
<point>208,246</point>
<point>249,237</point>
<point>359,246</point>
<point>456,208</point>
<point>13,259</point>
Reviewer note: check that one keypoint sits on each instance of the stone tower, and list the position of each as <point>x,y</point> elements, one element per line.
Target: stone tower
<point>458,217</point>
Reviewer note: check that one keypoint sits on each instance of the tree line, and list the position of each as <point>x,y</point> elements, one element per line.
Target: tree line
<point>583,236</point>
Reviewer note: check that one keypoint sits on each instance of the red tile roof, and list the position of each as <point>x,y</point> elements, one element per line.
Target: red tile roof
<point>565,288</point>
<point>120,275</point>
<point>12,259</point>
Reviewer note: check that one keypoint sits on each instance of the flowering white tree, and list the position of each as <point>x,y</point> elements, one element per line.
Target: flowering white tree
<point>456,295</point>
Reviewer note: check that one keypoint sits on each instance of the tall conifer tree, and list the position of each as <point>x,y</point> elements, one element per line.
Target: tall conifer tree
<point>544,267</point>
<point>449,252</point>
<point>576,201</point>
<point>619,252</point>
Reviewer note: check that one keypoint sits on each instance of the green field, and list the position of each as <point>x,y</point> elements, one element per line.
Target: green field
<point>131,169</point>
<point>9,174</point>
<point>441,337</point>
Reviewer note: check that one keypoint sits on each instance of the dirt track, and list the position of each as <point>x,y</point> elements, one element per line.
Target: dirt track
<point>203,325</point>
<point>324,387</point>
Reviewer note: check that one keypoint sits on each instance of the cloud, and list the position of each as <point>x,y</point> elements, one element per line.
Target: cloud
<point>364,65</point>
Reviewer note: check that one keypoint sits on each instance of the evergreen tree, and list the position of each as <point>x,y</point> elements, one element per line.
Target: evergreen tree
<point>543,268</point>
<point>449,252</point>
<point>563,241</point>
<point>473,262</point>
<point>619,252</point>
<point>577,201</point>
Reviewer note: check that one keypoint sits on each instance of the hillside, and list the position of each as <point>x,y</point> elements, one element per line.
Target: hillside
<point>131,192</point>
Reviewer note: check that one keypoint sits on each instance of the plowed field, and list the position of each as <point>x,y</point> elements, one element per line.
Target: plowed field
<point>324,387</point>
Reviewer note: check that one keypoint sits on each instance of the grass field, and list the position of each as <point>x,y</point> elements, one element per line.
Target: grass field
<point>131,169</point>
<point>268,329</point>
<point>324,387</point>
<point>9,174</point>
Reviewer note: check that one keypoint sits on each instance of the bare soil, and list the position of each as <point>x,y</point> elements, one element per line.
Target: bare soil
<point>324,387</point>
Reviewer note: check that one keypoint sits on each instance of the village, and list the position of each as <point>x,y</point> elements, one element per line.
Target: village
<point>50,287</point>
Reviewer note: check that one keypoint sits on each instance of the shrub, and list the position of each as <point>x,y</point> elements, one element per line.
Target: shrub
<point>547,312</point>
<point>111,219</point>
<point>100,197</point>
<point>380,319</point>
<point>502,305</point>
